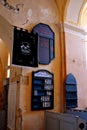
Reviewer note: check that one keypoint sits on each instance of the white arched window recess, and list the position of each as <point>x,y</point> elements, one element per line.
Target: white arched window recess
<point>83,17</point>
<point>83,24</point>
<point>8,70</point>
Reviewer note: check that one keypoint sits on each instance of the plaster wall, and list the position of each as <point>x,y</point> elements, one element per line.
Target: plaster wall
<point>6,33</point>
<point>73,10</point>
<point>4,57</point>
<point>33,13</point>
<point>29,15</point>
<point>5,39</point>
<point>76,63</point>
<point>6,43</point>
<point>34,120</point>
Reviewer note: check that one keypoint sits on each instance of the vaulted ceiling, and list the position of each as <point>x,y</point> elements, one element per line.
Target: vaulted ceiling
<point>49,11</point>
<point>29,11</point>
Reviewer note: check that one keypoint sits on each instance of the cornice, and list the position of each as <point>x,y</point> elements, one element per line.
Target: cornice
<point>76,30</point>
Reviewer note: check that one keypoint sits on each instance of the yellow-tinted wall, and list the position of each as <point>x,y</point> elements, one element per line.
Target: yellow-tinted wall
<point>45,12</point>
<point>34,120</point>
<point>4,50</point>
<point>4,57</point>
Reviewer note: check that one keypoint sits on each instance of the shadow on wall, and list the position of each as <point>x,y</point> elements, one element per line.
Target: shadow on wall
<point>1,86</point>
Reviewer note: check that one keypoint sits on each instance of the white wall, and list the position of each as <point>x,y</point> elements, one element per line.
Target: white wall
<point>76,61</point>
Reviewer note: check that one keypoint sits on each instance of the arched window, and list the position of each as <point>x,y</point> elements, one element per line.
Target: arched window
<point>8,70</point>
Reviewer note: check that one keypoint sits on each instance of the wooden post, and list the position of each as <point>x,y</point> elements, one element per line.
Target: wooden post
<point>63,64</point>
<point>1,86</point>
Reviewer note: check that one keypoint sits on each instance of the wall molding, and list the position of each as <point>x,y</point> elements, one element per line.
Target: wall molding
<point>75,30</point>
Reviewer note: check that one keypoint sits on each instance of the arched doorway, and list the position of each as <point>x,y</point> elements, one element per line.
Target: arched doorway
<point>4,71</point>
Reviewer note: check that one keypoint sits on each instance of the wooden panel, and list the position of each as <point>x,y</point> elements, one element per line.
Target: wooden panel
<point>44,30</point>
<point>1,87</point>
<point>71,91</point>
<point>44,51</point>
<point>46,43</point>
<point>62,121</point>
<point>42,90</point>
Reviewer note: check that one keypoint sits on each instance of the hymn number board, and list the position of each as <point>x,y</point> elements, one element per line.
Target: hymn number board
<point>42,90</point>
